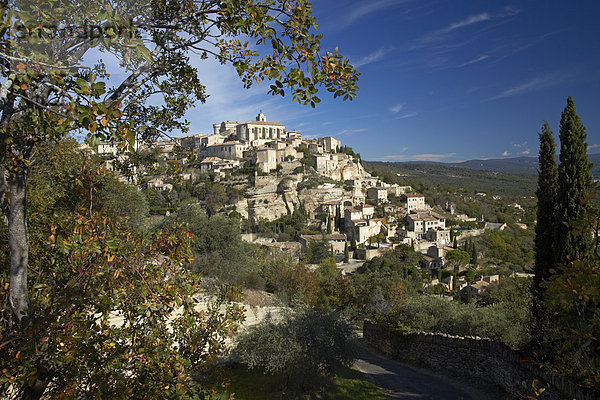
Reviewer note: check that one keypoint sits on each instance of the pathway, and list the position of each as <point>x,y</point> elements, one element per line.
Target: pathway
<point>408,382</point>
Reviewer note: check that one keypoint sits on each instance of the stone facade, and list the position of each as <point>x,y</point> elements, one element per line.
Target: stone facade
<point>414,201</point>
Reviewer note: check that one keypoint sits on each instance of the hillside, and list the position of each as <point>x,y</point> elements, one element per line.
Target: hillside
<point>449,175</point>
<point>513,165</point>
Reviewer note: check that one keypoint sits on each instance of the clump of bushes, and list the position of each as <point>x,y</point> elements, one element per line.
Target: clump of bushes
<point>501,321</point>
<point>303,346</point>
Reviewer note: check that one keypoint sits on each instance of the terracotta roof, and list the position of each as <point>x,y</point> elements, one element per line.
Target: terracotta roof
<point>413,195</point>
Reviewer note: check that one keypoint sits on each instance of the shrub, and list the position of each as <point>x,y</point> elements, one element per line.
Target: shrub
<point>302,346</point>
<point>504,322</point>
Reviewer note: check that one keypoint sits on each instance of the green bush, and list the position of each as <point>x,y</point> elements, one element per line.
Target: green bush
<point>504,322</point>
<point>303,346</point>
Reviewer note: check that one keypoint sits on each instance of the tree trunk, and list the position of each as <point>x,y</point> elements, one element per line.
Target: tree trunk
<point>17,242</point>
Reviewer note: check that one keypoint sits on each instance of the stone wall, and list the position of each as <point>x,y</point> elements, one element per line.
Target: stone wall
<point>487,362</point>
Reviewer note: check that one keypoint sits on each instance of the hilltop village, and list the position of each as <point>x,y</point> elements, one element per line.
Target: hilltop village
<point>269,172</point>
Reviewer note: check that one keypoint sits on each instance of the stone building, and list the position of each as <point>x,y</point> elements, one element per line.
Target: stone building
<point>251,131</point>
<point>378,194</point>
<point>420,223</point>
<point>337,241</point>
<point>329,144</point>
<point>227,150</point>
<point>414,202</point>
<point>265,158</point>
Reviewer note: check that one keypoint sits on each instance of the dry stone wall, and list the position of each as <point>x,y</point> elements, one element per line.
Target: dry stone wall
<point>484,361</point>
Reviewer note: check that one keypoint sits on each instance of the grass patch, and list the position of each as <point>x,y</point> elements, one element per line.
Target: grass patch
<point>238,382</point>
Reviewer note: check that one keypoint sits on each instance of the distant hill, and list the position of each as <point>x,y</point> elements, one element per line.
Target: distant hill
<point>514,165</point>
<point>452,175</point>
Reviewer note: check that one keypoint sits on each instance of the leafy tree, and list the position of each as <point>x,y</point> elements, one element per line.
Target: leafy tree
<point>574,183</point>
<point>48,93</point>
<point>457,258</point>
<point>112,312</point>
<point>546,193</point>
<point>303,346</point>
<point>317,251</point>
<point>215,198</point>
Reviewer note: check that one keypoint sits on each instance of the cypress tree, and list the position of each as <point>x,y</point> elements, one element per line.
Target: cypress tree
<point>346,254</point>
<point>574,184</point>
<point>473,254</point>
<point>546,207</point>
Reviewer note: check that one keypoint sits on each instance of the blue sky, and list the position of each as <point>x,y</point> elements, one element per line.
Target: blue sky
<point>440,80</point>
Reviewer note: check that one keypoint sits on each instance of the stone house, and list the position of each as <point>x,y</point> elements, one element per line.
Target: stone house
<point>420,223</point>
<point>329,144</point>
<point>438,235</point>
<point>265,158</point>
<point>414,201</point>
<point>378,194</point>
<point>159,184</point>
<point>226,150</point>
<point>337,241</point>
<point>193,142</point>
<point>210,140</point>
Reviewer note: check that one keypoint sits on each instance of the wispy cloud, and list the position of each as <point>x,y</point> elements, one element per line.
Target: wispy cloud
<point>593,146</point>
<point>396,109</point>
<point>473,19</point>
<point>531,85</point>
<point>364,9</point>
<point>349,131</point>
<point>473,61</point>
<point>520,145</point>
<point>408,115</point>
<point>375,56</point>
<point>442,33</point>
<point>417,157</point>
<point>505,154</point>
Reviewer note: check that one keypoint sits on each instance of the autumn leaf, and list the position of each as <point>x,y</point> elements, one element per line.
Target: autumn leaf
<point>21,66</point>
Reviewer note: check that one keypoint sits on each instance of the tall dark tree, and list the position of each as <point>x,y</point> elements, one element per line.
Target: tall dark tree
<point>574,184</point>
<point>546,207</point>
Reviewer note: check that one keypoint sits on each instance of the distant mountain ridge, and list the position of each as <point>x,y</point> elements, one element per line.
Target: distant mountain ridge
<point>514,165</point>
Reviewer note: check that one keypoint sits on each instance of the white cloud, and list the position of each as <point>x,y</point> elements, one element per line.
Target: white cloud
<point>441,34</point>
<point>505,154</point>
<point>473,61</point>
<point>349,132</point>
<point>532,85</point>
<point>473,19</point>
<point>417,157</point>
<point>396,109</point>
<point>593,146</point>
<point>408,115</point>
<point>525,152</point>
<point>364,9</point>
<point>520,145</point>
<point>373,57</point>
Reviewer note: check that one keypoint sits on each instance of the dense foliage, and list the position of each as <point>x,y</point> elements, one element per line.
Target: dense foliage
<point>303,345</point>
<point>501,321</point>
<point>112,311</point>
